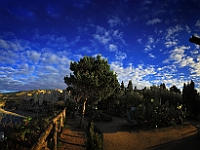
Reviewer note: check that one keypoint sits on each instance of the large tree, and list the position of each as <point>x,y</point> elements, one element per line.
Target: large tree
<point>92,79</point>
<point>190,98</point>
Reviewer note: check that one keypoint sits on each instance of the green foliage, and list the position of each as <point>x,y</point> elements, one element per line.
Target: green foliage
<point>92,78</point>
<point>162,115</point>
<point>130,87</point>
<point>191,99</point>
<point>24,134</point>
<point>60,105</point>
<point>133,98</point>
<point>95,138</point>
<point>175,89</point>
<point>162,95</point>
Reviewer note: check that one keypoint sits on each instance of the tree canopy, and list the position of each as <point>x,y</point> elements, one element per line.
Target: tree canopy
<point>92,78</point>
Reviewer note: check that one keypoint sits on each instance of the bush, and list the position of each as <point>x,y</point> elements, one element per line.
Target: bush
<point>95,137</point>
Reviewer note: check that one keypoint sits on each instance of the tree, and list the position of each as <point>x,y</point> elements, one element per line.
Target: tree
<point>162,86</point>
<point>130,86</point>
<point>134,98</point>
<point>190,98</point>
<point>175,89</point>
<point>122,87</point>
<point>92,79</point>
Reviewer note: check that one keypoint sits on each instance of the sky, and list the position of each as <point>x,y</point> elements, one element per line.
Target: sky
<point>145,41</point>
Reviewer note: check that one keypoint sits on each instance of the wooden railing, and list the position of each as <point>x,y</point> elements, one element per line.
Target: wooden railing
<point>56,126</point>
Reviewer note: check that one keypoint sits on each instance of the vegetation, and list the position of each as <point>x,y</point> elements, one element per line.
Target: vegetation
<point>92,79</point>
<point>94,137</point>
<point>191,99</point>
<point>22,133</point>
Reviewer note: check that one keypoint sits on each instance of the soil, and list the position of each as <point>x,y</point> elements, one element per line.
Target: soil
<point>118,135</point>
<point>73,136</point>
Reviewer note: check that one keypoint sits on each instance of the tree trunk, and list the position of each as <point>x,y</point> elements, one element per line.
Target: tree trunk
<point>82,114</point>
<point>73,114</point>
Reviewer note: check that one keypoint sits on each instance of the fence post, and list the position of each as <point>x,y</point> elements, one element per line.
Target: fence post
<point>41,142</point>
<point>55,136</point>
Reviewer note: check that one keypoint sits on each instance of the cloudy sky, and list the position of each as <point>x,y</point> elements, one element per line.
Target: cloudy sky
<point>145,41</point>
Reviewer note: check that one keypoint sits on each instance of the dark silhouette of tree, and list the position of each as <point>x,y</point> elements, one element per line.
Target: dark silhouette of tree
<point>130,87</point>
<point>91,78</point>
<point>190,98</point>
<point>175,89</point>
<point>162,86</point>
<point>122,87</point>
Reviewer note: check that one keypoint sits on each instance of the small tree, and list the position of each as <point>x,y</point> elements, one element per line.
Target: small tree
<point>92,79</point>
<point>130,86</point>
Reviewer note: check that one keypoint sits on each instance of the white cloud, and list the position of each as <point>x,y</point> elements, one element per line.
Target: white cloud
<point>177,55</point>
<point>197,23</point>
<point>14,45</point>
<point>103,39</point>
<point>32,69</point>
<point>188,29</point>
<point>139,41</point>
<point>154,21</point>
<point>33,55</point>
<point>107,37</point>
<point>169,44</point>
<point>181,59</point>
<point>196,67</point>
<point>136,74</point>
<point>113,47</point>
<point>172,30</point>
<point>4,44</point>
<point>115,21</point>
<point>120,55</point>
<point>50,69</point>
<point>152,56</point>
<point>150,44</point>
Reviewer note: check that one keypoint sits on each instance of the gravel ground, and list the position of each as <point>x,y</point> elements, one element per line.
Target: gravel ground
<point>118,135</point>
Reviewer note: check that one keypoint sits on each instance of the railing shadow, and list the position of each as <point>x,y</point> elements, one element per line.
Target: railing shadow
<point>70,143</point>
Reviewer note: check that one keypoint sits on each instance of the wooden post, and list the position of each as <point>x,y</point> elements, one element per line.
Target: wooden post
<point>41,143</point>
<point>61,123</point>
<point>55,137</point>
<point>42,138</point>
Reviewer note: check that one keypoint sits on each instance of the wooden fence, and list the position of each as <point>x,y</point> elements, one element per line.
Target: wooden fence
<point>55,127</point>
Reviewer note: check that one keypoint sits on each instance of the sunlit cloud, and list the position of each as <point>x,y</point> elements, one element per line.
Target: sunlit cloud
<point>136,74</point>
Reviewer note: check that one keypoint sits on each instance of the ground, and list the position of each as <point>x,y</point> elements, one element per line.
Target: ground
<point>73,136</point>
<point>119,135</point>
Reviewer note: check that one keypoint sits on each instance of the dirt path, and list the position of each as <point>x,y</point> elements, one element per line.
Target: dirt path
<point>72,137</point>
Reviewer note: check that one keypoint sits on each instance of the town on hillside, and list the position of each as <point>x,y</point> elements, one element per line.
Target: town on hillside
<point>32,100</point>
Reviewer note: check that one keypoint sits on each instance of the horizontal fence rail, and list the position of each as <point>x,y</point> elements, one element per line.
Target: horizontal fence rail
<point>54,127</point>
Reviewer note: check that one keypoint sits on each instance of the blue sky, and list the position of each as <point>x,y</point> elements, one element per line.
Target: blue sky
<point>145,41</point>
